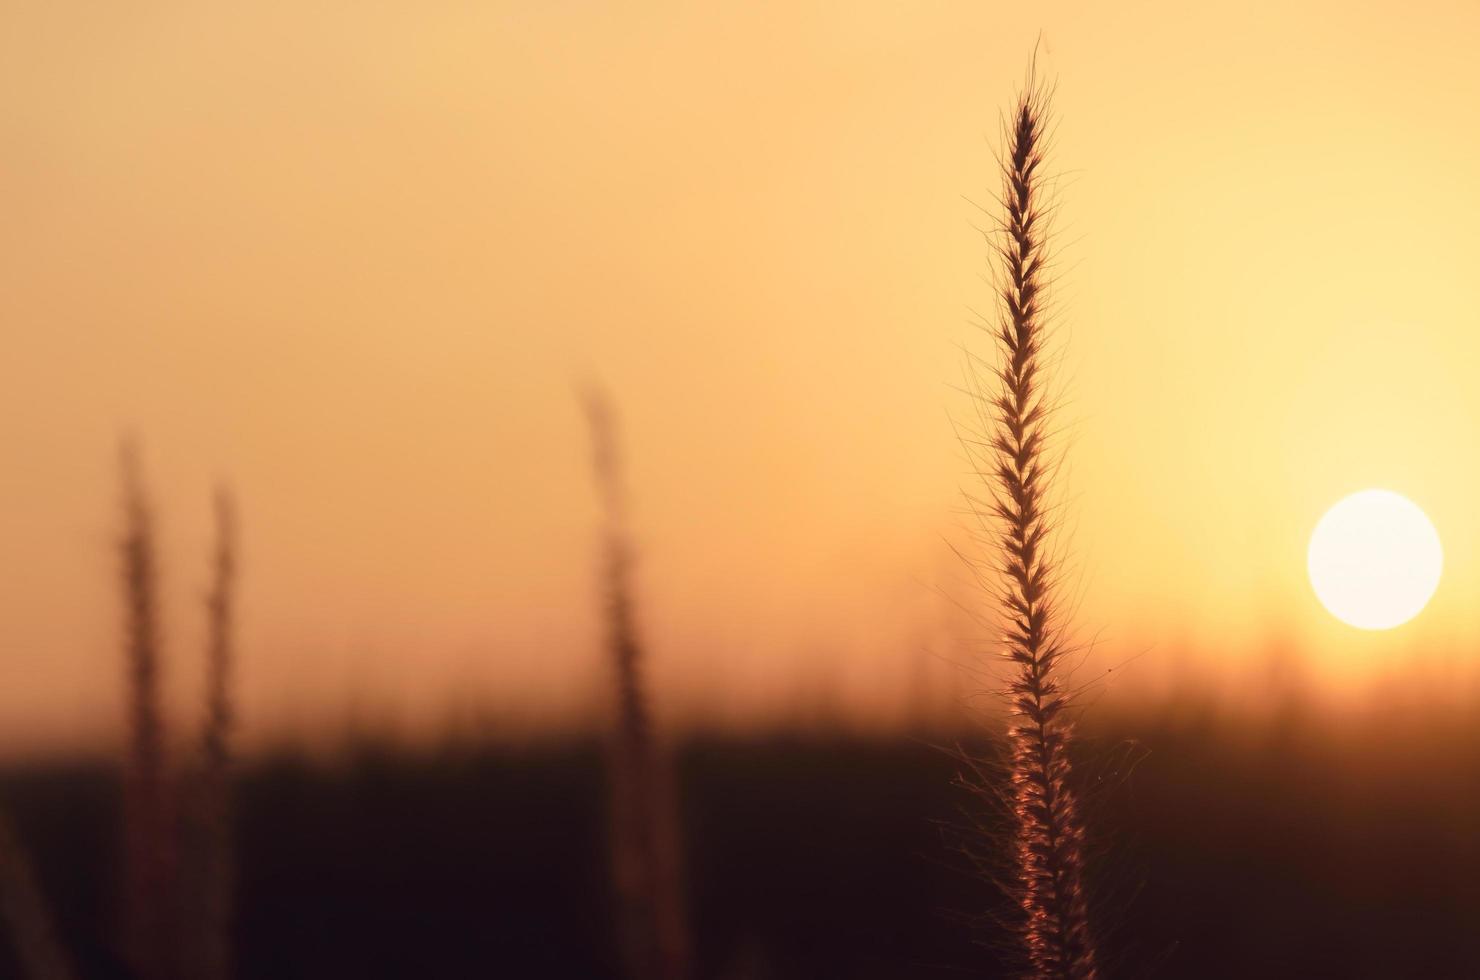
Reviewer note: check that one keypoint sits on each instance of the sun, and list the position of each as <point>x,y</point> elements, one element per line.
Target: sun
<point>1374,560</point>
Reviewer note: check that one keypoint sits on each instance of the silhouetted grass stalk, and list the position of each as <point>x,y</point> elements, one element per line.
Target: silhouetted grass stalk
<point>148,833</point>
<point>1047,878</point>
<point>25,914</point>
<point>644,832</point>
<point>207,939</point>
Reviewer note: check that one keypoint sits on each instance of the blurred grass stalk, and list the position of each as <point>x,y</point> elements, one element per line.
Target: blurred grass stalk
<point>148,858</point>
<point>25,913</point>
<point>643,812</point>
<point>206,934</point>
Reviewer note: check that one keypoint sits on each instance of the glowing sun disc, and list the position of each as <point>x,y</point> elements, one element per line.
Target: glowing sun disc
<point>1374,560</point>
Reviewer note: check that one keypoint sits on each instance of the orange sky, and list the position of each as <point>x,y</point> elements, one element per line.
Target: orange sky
<point>356,258</point>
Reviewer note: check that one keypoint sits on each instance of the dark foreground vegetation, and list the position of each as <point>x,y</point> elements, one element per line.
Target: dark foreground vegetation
<point>1281,850</point>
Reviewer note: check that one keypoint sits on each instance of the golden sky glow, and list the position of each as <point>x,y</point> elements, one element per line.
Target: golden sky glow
<point>356,258</point>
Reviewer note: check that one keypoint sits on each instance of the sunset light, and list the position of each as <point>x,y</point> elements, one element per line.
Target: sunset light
<point>1375,560</point>
<point>739,491</point>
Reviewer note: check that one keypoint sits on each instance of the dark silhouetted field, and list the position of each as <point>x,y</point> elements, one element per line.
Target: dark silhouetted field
<point>1283,850</point>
